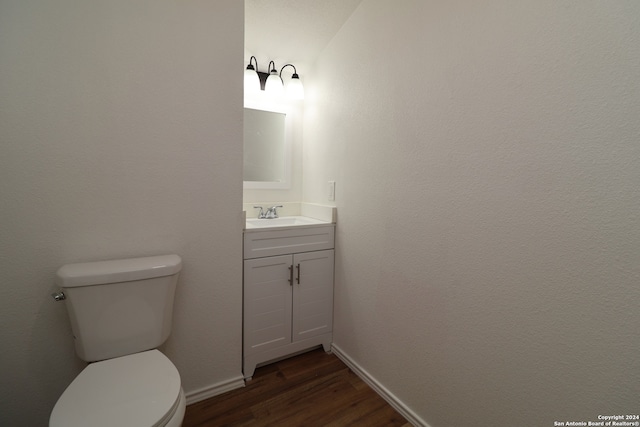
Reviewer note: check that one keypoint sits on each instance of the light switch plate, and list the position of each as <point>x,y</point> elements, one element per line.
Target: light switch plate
<point>331,191</point>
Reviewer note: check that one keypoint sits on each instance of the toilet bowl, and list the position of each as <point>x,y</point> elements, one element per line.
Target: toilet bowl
<point>141,389</point>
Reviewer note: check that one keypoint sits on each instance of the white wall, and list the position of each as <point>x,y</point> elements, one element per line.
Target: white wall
<point>118,139</point>
<point>487,159</point>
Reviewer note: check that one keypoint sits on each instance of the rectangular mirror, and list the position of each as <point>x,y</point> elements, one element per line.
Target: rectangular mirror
<point>267,146</point>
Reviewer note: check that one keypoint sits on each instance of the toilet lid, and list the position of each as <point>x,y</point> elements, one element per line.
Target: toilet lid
<point>141,389</point>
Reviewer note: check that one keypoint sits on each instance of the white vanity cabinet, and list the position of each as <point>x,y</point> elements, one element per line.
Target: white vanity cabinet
<point>288,294</point>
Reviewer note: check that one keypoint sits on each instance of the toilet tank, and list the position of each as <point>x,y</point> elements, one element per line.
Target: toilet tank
<point>119,307</point>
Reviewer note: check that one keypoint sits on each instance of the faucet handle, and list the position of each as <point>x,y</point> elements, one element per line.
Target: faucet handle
<point>261,214</point>
<point>272,212</point>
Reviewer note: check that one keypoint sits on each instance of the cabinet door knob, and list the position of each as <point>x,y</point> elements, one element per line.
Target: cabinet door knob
<point>290,275</point>
<point>298,278</point>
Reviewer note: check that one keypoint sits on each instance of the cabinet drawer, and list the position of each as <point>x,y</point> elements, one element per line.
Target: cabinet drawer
<point>293,240</point>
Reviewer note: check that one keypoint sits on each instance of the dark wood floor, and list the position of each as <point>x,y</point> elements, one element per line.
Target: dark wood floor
<point>311,389</point>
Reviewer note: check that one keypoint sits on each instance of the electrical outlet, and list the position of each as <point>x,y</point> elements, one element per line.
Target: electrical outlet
<point>331,191</point>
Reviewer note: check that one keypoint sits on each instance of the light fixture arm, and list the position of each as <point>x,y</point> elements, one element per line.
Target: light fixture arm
<point>250,67</point>
<point>294,88</point>
<point>295,72</point>
<point>272,67</point>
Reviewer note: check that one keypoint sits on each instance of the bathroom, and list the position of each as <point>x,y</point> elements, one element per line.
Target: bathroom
<point>486,162</point>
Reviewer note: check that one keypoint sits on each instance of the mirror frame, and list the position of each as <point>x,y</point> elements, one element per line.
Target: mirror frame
<point>273,107</point>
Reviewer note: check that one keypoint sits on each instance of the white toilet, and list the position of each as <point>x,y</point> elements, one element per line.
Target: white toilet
<point>120,311</point>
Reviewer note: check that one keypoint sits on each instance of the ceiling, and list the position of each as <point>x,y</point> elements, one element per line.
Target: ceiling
<point>292,31</point>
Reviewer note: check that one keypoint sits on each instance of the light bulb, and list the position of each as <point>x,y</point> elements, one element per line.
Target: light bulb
<point>251,80</point>
<point>274,84</point>
<point>295,90</point>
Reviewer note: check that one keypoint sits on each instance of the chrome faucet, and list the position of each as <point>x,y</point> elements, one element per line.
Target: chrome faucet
<point>272,213</point>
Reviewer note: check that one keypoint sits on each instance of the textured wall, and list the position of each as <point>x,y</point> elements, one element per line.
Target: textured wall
<point>487,160</point>
<point>117,140</point>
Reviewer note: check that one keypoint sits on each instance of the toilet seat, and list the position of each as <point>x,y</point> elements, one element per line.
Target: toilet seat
<point>141,389</point>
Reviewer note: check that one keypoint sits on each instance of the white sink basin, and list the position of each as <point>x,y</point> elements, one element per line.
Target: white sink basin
<point>284,221</point>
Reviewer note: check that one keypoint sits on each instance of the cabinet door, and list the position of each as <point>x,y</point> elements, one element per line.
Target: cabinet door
<point>267,303</point>
<point>312,294</point>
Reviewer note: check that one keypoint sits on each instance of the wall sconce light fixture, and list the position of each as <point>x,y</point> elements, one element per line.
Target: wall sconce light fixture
<point>252,82</point>
<point>271,83</point>
<point>295,90</point>
<point>274,85</point>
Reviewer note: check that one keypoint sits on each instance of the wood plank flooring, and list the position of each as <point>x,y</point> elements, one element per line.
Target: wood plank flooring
<point>311,389</point>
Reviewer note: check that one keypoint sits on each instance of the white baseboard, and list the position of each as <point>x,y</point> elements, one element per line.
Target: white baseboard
<point>214,389</point>
<point>398,405</point>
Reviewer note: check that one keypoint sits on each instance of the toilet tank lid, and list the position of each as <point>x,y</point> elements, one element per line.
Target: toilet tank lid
<point>115,271</point>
